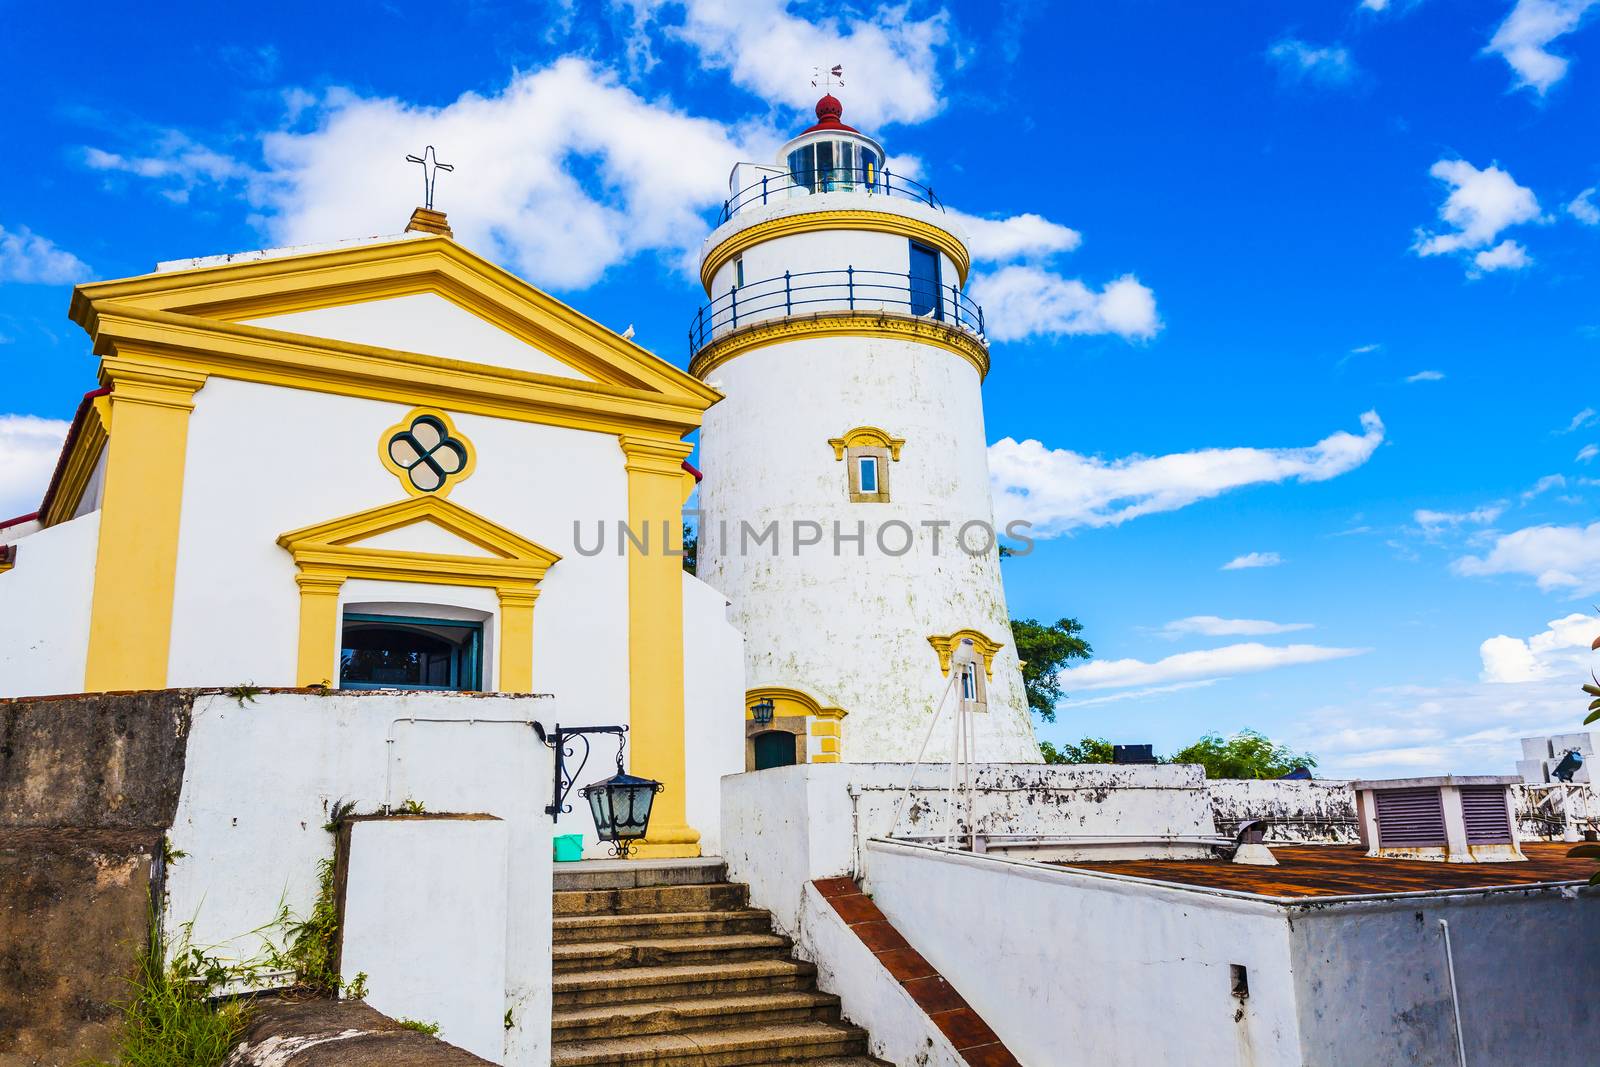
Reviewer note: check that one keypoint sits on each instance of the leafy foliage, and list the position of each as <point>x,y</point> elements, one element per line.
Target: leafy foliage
<point>1247,754</point>
<point>315,939</point>
<point>431,1029</point>
<point>1088,750</point>
<point>691,548</point>
<point>1045,651</point>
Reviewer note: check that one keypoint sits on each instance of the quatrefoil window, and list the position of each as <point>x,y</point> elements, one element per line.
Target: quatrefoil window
<point>426,452</point>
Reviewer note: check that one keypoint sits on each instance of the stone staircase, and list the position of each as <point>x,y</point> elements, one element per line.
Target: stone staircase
<point>665,962</point>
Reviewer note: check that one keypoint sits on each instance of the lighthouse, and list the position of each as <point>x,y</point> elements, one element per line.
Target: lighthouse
<point>845,509</point>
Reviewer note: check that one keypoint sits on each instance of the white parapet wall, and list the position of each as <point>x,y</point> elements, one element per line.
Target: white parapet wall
<point>264,770</point>
<point>788,825</point>
<point>1317,811</point>
<point>424,923</point>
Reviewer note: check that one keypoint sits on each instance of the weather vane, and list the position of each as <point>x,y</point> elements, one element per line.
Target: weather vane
<point>828,77</point>
<point>430,173</point>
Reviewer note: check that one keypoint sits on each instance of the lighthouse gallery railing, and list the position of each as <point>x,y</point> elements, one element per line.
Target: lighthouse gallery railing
<point>846,290</point>
<point>780,186</point>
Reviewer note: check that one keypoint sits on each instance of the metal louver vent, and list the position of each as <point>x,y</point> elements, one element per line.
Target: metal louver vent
<point>1483,809</point>
<point>1410,817</point>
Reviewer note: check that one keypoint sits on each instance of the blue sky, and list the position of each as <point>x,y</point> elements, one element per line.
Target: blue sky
<point>1310,285</point>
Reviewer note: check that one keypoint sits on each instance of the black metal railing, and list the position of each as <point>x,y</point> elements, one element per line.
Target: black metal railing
<point>846,290</point>
<point>778,187</point>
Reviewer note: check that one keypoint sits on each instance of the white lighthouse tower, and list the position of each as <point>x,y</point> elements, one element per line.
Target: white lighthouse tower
<point>846,511</point>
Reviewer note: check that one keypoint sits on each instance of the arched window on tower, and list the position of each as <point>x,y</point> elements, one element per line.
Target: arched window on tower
<point>867,452</point>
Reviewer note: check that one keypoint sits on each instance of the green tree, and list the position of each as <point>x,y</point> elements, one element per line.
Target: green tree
<point>1247,754</point>
<point>1088,750</point>
<point>1045,651</point>
<point>691,548</point>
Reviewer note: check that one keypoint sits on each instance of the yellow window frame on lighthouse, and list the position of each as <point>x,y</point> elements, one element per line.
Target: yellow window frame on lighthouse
<point>328,554</point>
<point>862,445</point>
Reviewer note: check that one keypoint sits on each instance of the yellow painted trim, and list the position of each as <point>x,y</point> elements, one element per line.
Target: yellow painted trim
<point>828,745</point>
<point>271,357</point>
<point>403,475</point>
<point>655,640</point>
<point>945,646</point>
<point>281,285</point>
<point>824,728</point>
<point>950,337</point>
<point>867,436</point>
<point>821,221</point>
<point>780,695</point>
<point>327,555</point>
<point>136,559</point>
<point>80,462</point>
<point>825,757</point>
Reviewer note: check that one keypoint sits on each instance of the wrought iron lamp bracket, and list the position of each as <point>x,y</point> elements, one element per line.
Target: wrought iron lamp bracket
<point>561,739</point>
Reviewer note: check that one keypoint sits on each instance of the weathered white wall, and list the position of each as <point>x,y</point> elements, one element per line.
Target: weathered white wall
<point>898,1029</point>
<point>425,922</point>
<point>261,776</point>
<point>1320,811</point>
<point>713,707</point>
<point>44,609</point>
<point>785,826</point>
<point>1072,968</point>
<point>851,627</point>
<point>1374,985</point>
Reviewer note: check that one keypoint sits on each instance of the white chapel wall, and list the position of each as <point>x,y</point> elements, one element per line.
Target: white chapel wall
<point>44,609</point>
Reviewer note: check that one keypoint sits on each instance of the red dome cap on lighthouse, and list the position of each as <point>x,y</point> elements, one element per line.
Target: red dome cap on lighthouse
<point>828,111</point>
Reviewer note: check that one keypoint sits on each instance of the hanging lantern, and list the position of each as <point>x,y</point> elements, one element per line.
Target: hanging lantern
<point>761,711</point>
<point>621,808</point>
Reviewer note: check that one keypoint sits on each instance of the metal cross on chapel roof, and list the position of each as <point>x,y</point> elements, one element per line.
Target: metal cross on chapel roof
<point>430,173</point>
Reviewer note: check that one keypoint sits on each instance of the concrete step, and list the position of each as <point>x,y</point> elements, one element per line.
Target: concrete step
<point>714,896</point>
<point>635,874</point>
<point>633,984</point>
<point>694,1013</point>
<point>780,1043</point>
<point>653,952</point>
<point>574,929</point>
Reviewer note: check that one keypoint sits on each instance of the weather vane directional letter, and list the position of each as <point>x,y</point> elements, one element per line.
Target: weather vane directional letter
<point>828,77</point>
<point>430,173</point>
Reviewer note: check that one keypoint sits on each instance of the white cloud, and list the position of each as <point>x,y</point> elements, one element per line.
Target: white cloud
<point>1587,452</point>
<point>1557,557</point>
<point>1481,203</point>
<point>1579,421</point>
<point>1433,522</point>
<point>1426,376</point>
<point>1524,37</point>
<point>1140,694</point>
<point>29,447</point>
<point>1252,561</point>
<point>175,162</point>
<point>26,257</point>
<point>1361,350</point>
<point>1507,255</point>
<point>1025,236</point>
<point>1562,650</point>
<point>1059,490</point>
<point>1215,626</point>
<point>1584,209</point>
<point>1212,663</point>
<point>518,155</point>
<point>1375,5</point>
<point>1321,64</point>
<point>1544,485</point>
<point>1022,300</point>
<point>891,60</point>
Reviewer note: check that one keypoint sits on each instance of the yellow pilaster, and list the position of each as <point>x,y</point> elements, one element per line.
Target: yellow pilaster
<point>319,628</point>
<point>136,561</point>
<point>516,640</point>
<point>655,639</point>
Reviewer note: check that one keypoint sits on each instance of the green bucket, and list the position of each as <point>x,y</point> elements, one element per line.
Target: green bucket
<point>569,847</point>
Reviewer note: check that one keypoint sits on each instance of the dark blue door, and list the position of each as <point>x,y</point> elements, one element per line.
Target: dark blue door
<point>925,281</point>
<point>775,748</point>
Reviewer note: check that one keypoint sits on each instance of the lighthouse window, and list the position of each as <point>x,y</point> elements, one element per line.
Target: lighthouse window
<point>969,682</point>
<point>925,281</point>
<point>868,476</point>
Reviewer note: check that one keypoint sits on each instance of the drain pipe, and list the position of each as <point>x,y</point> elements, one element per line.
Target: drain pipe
<point>1455,999</point>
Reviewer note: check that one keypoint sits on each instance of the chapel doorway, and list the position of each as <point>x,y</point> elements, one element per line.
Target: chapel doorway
<point>775,748</point>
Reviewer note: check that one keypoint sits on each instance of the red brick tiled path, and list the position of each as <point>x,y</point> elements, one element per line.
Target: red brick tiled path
<point>971,1036</point>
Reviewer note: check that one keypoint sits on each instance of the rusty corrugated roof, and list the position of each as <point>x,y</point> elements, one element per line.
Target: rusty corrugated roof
<point>1345,870</point>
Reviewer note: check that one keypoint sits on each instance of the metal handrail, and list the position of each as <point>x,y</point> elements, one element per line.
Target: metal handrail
<point>827,180</point>
<point>849,289</point>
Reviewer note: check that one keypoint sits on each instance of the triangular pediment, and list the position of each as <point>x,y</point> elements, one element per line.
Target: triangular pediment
<point>335,300</point>
<point>427,526</point>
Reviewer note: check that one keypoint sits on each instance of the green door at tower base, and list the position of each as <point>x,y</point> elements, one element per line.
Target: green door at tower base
<point>775,748</point>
